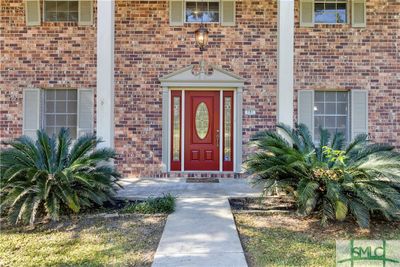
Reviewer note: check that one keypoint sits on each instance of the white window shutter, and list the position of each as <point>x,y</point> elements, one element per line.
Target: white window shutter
<point>228,12</point>
<point>305,109</point>
<point>306,13</point>
<point>358,13</point>
<point>32,12</point>
<point>176,12</point>
<point>359,112</point>
<point>85,112</point>
<point>31,112</point>
<point>85,12</point>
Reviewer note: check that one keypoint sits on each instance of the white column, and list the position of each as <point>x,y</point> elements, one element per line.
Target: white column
<point>238,123</point>
<point>105,72</point>
<point>285,61</point>
<point>166,110</point>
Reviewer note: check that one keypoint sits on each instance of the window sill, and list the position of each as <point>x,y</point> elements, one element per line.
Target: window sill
<point>63,24</point>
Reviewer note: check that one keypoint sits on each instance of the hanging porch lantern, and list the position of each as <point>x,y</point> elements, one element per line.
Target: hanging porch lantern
<point>201,35</point>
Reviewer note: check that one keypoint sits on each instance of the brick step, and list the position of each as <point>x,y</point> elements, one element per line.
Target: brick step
<point>199,175</point>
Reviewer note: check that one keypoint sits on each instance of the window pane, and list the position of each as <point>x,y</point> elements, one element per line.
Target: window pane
<point>61,10</point>
<point>342,108</point>
<point>319,97</point>
<point>342,96</point>
<point>61,120</point>
<point>62,16</point>
<point>50,120</point>
<point>61,107</point>
<point>62,112</point>
<point>51,16</point>
<point>50,94</point>
<point>331,113</point>
<point>316,134</point>
<point>342,13</point>
<point>73,16</point>
<point>330,122</point>
<point>330,96</point>
<point>214,6</point>
<point>330,7</point>
<point>62,6</point>
<point>202,11</point>
<point>51,6</point>
<point>227,129</point>
<point>49,106</point>
<point>318,121</point>
<point>202,120</point>
<point>72,95</point>
<point>330,108</point>
<point>71,121</point>
<point>319,108</point>
<point>50,131</point>
<point>72,107</point>
<point>342,122</point>
<point>177,129</point>
<point>72,132</point>
<point>73,6</point>
<point>192,12</point>
<point>61,95</point>
<point>330,12</point>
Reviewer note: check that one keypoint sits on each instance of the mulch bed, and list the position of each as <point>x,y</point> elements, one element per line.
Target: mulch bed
<point>260,204</point>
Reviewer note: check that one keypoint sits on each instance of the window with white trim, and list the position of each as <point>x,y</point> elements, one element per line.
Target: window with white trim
<point>60,111</point>
<point>202,11</point>
<point>331,11</point>
<point>331,112</point>
<point>65,10</point>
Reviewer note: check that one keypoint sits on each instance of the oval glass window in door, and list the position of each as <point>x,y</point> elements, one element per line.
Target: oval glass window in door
<point>202,120</point>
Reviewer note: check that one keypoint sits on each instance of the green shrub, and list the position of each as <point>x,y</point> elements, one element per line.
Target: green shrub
<point>329,178</point>
<point>165,204</point>
<point>54,175</point>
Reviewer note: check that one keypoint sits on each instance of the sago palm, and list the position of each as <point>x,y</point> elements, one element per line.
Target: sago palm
<point>336,180</point>
<point>52,174</point>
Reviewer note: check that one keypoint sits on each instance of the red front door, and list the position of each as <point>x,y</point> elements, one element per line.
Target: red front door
<point>202,130</point>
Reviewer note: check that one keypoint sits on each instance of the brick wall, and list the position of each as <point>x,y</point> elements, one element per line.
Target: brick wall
<point>342,57</point>
<point>147,48</point>
<point>60,55</point>
<point>53,55</point>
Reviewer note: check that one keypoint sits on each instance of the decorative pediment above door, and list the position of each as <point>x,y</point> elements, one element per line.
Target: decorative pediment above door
<point>197,76</point>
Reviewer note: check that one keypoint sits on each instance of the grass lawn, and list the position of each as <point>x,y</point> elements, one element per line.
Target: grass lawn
<point>129,240</point>
<point>288,240</point>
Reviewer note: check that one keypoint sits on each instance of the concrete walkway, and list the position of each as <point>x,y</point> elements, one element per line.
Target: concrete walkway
<point>201,232</point>
<point>227,187</point>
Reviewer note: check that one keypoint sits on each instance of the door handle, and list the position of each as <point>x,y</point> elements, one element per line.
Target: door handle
<point>217,138</point>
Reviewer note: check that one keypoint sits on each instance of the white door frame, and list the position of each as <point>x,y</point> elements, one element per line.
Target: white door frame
<point>221,137</point>
<point>186,79</point>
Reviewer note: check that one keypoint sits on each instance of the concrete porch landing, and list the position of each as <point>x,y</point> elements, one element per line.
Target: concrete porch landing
<point>201,232</point>
<point>139,188</point>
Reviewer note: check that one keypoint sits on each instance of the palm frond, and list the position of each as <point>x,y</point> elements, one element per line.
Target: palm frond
<point>337,181</point>
<point>54,176</point>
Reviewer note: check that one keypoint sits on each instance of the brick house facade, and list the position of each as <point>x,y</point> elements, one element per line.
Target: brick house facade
<point>57,55</point>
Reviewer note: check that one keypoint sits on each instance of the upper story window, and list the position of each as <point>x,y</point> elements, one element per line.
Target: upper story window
<point>66,10</point>
<point>334,12</point>
<point>80,11</point>
<point>202,11</point>
<point>330,11</point>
